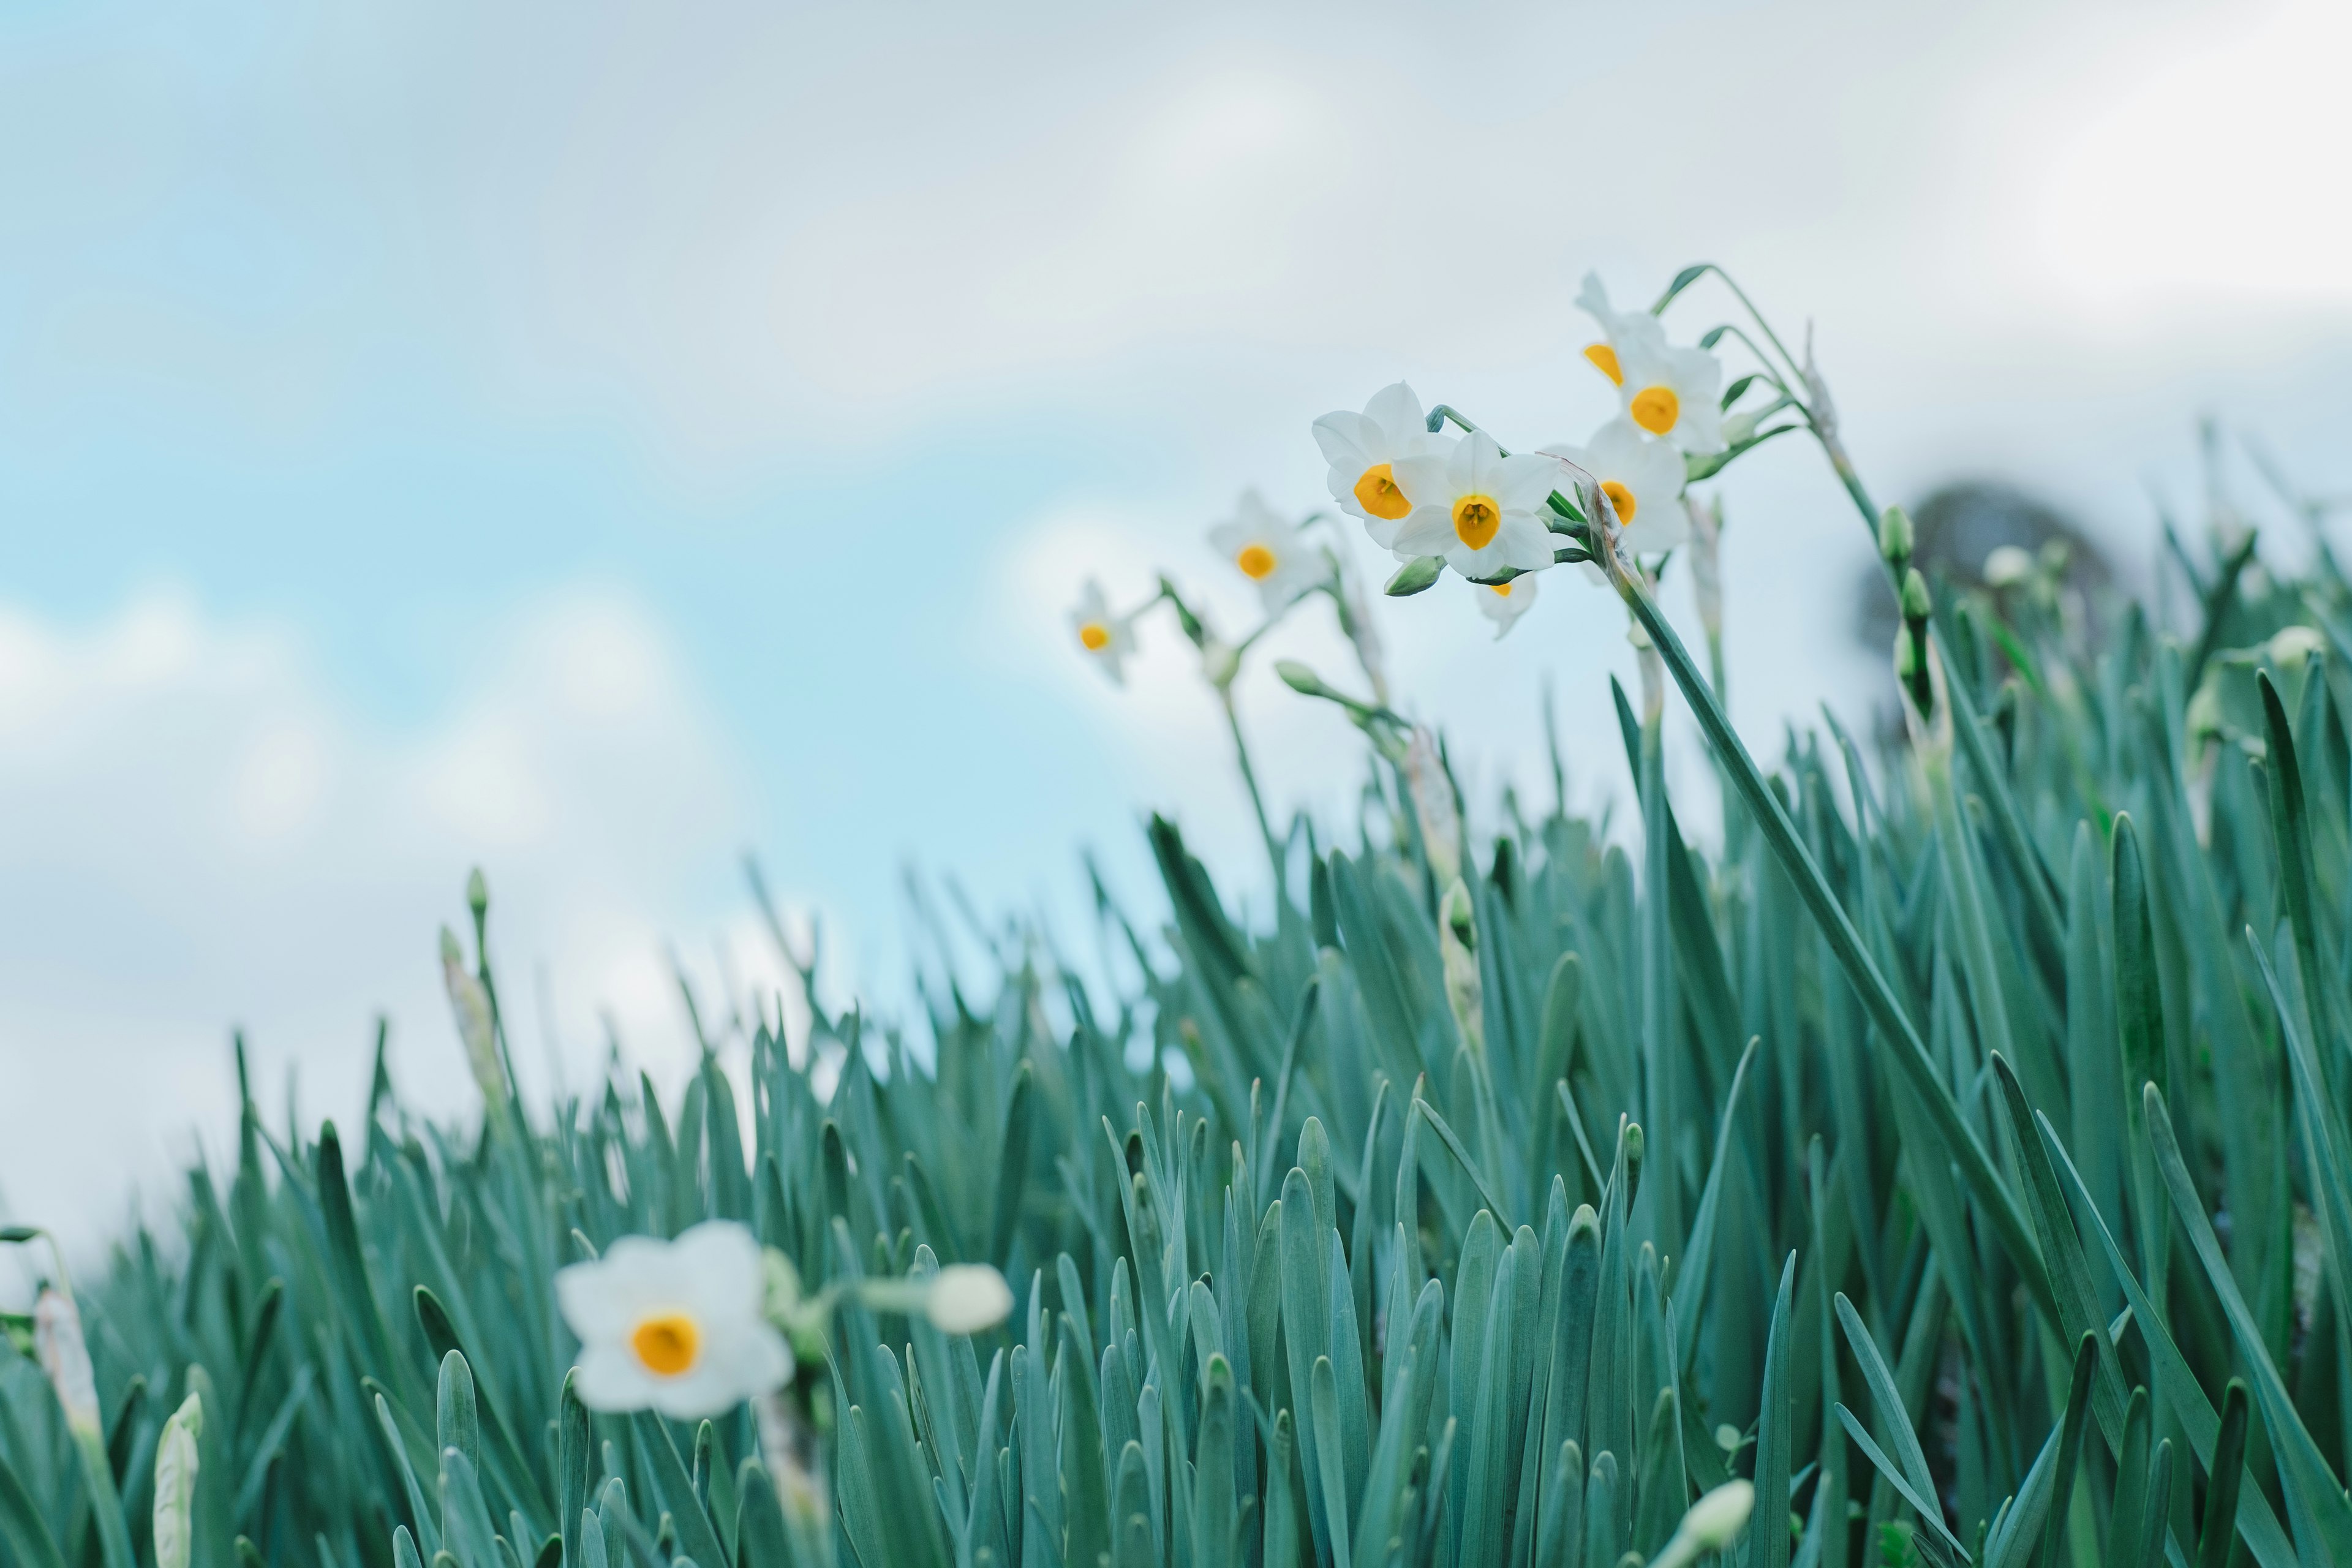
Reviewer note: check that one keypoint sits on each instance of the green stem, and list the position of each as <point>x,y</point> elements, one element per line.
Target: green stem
<point>1910,1052</point>
<point>1249,779</point>
<point>2041,887</point>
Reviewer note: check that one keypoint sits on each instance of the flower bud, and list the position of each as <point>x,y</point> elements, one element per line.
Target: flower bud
<point>2007,566</point>
<point>1456,913</point>
<point>65,1357</point>
<point>477,893</point>
<point>1414,576</point>
<point>966,1298</point>
<point>1895,541</point>
<point>1220,663</point>
<point>1300,679</point>
<point>1713,1523</point>
<point>470,1001</point>
<point>2290,645</point>
<point>175,1484</point>
<point>1918,603</point>
<point>1907,656</point>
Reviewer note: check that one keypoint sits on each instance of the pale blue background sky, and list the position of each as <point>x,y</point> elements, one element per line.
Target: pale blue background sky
<point>592,441</point>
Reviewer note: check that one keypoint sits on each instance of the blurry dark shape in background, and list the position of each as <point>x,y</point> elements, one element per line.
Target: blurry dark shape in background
<point>1959,526</point>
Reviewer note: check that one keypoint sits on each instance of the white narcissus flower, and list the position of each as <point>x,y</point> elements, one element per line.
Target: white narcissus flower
<point>2290,645</point>
<point>967,1298</point>
<point>674,1326</point>
<point>1481,511</point>
<point>1271,551</point>
<point>1505,602</point>
<point>1643,479</point>
<point>1621,331</point>
<point>2006,566</point>
<point>1363,451</point>
<point>1673,393</point>
<point>1103,634</point>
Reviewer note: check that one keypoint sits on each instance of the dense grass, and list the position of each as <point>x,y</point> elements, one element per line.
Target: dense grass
<point>1482,1228</point>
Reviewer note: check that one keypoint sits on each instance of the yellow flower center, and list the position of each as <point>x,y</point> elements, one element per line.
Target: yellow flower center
<point>1619,497</point>
<point>1655,409</point>
<point>1256,563</point>
<point>1476,520</point>
<point>1604,359</point>
<point>1377,494</point>
<point>666,1345</point>
<point>1500,590</point>
<point>1094,636</point>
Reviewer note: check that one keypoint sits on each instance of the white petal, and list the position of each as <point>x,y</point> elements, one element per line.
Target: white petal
<point>610,1378</point>
<point>1525,478</point>
<point>716,1265</point>
<point>1428,532</point>
<point>1523,541</point>
<point>1346,438</point>
<point>1424,479</point>
<point>1398,414</point>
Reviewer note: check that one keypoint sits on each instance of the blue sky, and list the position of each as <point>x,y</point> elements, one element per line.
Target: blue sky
<point>593,441</point>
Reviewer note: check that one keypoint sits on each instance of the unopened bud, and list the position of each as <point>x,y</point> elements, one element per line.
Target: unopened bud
<point>1220,663</point>
<point>2007,566</point>
<point>1894,536</point>
<point>1918,603</point>
<point>470,1002</point>
<point>1907,656</point>
<point>65,1357</point>
<point>1713,1523</point>
<point>1300,679</point>
<point>175,1484</point>
<point>477,893</point>
<point>967,1298</point>
<point>2290,645</point>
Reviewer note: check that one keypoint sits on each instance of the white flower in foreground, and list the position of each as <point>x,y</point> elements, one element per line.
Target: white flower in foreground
<point>1669,391</point>
<point>967,1298</point>
<point>1621,331</point>
<point>1271,551</point>
<point>1106,637</point>
<point>1644,481</point>
<point>675,1326</point>
<point>1363,451</point>
<point>1713,1523</point>
<point>1505,602</point>
<point>1481,511</point>
<point>175,1483</point>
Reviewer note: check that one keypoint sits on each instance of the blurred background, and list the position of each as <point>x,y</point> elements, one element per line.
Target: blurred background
<point>595,443</point>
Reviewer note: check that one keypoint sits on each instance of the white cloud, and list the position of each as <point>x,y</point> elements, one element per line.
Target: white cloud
<point>200,835</point>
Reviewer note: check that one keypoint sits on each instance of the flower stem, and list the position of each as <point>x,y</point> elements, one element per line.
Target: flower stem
<point>1908,1051</point>
<point>1257,800</point>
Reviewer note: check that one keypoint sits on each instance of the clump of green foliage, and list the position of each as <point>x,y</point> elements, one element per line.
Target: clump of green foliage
<point>1487,1222</point>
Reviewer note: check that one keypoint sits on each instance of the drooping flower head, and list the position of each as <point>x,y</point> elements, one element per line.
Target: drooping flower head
<point>1505,602</point>
<point>1363,451</point>
<point>674,1326</point>
<point>1671,393</point>
<point>1108,639</point>
<point>1271,551</point>
<point>1643,479</point>
<point>1481,511</point>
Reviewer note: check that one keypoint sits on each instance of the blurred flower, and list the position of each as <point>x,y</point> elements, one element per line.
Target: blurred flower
<point>966,1298</point>
<point>1270,550</point>
<point>677,1326</point>
<point>1713,1523</point>
<point>2007,566</point>
<point>1480,510</point>
<point>2290,645</point>
<point>1643,479</point>
<point>1105,636</point>
<point>470,1001</point>
<point>65,1357</point>
<point>1363,451</point>
<point>175,1483</point>
<point>1669,391</point>
<point>1505,602</point>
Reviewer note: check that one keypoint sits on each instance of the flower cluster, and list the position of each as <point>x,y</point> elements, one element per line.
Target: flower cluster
<point>696,1326</point>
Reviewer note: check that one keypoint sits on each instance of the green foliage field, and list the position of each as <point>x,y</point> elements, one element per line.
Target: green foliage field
<point>1407,1230</point>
